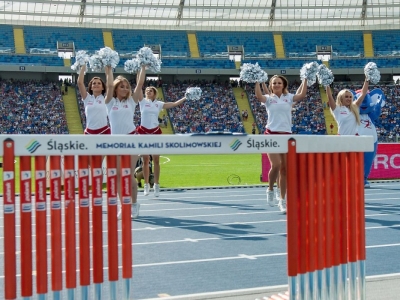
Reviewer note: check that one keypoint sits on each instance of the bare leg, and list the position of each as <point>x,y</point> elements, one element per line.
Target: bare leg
<point>156,164</point>
<point>275,160</point>
<point>145,168</point>
<point>134,190</point>
<point>283,175</point>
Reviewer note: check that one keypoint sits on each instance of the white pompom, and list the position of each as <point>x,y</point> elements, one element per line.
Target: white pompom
<point>324,75</point>
<point>132,66</point>
<point>372,73</point>
<point>109,57</point>
<point>193,93</point>
<point>309,72</point>
<point>146,58</point>
<point>81,59</point>
<point>252,73</point>
<point>96,63</point>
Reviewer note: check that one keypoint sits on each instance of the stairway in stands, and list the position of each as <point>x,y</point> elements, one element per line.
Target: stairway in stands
<point>72,112</point>
<point>168,129</point>
<point>330,123</point>
<point>244,104</point>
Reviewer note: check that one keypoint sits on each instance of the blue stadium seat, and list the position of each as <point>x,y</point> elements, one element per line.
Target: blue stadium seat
<point>126,41</point>
<point>37,60</point>
<point>386,42</point>
<point>341,41</point>
<point>7,37</point>
<point>46,37</point>
<point>217,42</point>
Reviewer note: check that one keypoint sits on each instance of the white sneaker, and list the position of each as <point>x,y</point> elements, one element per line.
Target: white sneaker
<point>270,197</point>
<point>146,190</point>
<point>282,205</point>
<point>277,195</point>
<point>135,210</point>
<point>156,190</point>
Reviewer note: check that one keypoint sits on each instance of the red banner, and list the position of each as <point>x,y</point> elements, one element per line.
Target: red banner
<point>386,164</point>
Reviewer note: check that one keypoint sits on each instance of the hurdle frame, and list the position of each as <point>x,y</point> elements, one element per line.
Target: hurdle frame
<point>322,276</point>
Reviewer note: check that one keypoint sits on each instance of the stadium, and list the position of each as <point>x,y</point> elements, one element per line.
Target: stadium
<point>205,44</point>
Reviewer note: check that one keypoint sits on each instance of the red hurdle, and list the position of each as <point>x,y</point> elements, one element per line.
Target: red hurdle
<point>325,212</point>
<point>10,264</point>
<point>67,273</point>
<point>41,230</point>
<point>326,226</point>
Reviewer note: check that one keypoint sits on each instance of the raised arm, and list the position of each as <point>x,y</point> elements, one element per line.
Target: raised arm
<point>260,97</point>
<point>109,83</point>
<point>299,89</point>
<point>364,92</point>
<point>174,104</point>
<point>331,101</point>
<point>303,91</point>
<point>265,89</point>
<point>138,92</point>
<point>81,84</point>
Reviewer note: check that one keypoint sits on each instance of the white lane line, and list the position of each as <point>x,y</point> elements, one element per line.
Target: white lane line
<point>247,256</point>
<point>211,224</point>
<point>224,238</point>
<point>191,240</point>
<point>382,246</point>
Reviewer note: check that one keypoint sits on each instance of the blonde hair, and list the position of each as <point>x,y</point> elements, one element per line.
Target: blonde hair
<point>117,82</point>
<point>154,89</point>
<point>353,108</point>
<point>284,81</point>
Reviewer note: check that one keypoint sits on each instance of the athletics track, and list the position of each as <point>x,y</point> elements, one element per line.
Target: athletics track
<point>227,243</point>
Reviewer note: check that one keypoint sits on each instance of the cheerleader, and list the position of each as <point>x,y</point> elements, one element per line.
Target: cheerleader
<point>121,110</point>
<point>150,109</point>
<point>346,111</point>
<point>94,101</point>
<point>279,109</point>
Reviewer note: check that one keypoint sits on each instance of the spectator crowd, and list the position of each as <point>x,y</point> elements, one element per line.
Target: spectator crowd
<point>36,107</point>
<point>31,107</point>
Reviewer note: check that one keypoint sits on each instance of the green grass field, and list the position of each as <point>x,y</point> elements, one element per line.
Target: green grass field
<point>180,171</point>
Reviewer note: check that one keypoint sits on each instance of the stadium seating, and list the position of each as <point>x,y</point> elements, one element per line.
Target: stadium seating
<point>388,62</point>
<point>217,42</point>
<point>36,60</point>
<point>342,42</point>
<point>386,42</point>
<point>281,63</point>
<point>89,39</point>
<point>300,47</point>
<point>127,41</point>
<point>6,39</point>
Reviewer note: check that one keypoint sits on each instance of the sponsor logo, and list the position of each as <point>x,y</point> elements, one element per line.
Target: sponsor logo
<point>126,200</point>
<point>40,206</point>
<point>71,145</point>
<point>32,146</point>
<point>84,203</point>
<point>112,201</point>
<point>235,144</point>
<point>98,201</point>
<point>26,207</point>
<point>55,204</point>
<point>40,174</point>
<point>263,144</point>
<point>9,208</point>
<point>8,175</point>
